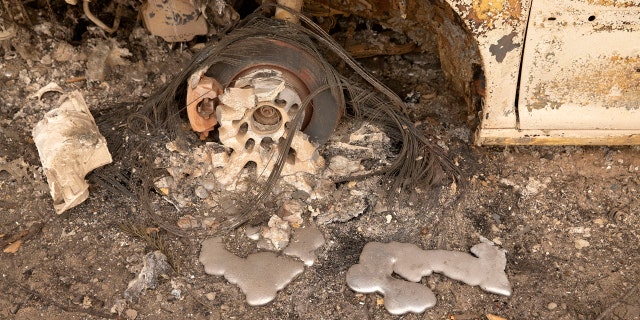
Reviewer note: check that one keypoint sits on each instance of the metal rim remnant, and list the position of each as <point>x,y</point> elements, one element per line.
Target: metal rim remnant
<point>252,104</point>
<point>302,72</point>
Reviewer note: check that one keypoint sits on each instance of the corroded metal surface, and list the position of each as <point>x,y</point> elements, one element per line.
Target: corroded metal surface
<point>476,39</point>
<point>174,21</point>
<point>557,137</point>
<point>581,68</point>
<point>201,102</point>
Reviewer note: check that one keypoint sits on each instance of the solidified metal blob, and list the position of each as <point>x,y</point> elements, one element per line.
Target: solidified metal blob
<point>260,276</point>
<point>379,260</point>
<point>305,242</point>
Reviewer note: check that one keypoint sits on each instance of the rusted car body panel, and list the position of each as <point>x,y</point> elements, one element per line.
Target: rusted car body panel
<point>575,79</point>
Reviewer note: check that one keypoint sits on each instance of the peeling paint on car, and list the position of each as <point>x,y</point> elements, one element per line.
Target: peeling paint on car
<point>579,68</point>
<point>504,45</point>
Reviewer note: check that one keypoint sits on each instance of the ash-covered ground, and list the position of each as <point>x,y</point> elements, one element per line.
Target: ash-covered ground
<point>567,216</point>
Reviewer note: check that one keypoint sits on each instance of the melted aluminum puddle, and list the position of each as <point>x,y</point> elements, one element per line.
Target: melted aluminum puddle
<point>379,261</point>
<point>261,275</point>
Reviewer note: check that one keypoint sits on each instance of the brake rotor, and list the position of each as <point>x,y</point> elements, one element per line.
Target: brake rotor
<point>260,95</point>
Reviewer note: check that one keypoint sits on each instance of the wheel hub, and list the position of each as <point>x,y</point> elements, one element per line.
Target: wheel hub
<point>254,115</point>
<point>252,101</point>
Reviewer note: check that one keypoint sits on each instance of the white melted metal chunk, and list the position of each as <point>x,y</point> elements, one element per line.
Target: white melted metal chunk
<point>260,276</point>
<point>379,261</point>
<point>305,242</point>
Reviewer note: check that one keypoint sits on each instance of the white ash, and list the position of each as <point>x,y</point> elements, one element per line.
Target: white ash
<point>531,188</point>
<point>344,208</point>
<point>292,210</point>
<point>350,200</point>
<point>370,136</point>
<point>304,244</point>
<point>260,276</point>
<point>379,261</point>
<point>300,181</point>
<point>340,166</point>
<point>365,149</point>
<point>155,265</point>
<point>275,237</point>
<point>252,233</point>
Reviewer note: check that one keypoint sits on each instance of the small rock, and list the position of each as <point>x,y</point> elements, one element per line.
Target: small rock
<point>210,296</point>
<point>15,308</point>
<point>201,192</point>
<point>299,195</point>
<point>276,236</point>
<point>176,293</point>
<point>86,302</point>
<point>210,223</point>
<point>118,306</point>
<point>155,265</point>
<point>389,218</point>
<point>552,305</point>
<point>188,222</point>
<point>131,314</point>
<point>77,299</point>
<point>209,184</point>
<point>291,212</point>
<point>341,166</point>
<point>581,243</point>
<point>165,182</point>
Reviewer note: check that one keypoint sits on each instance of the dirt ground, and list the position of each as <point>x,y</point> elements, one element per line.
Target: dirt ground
<point>567,216</point>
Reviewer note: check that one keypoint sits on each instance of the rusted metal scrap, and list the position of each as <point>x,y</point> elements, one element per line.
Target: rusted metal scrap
<point>573,80</point>
<point>202,99</point>
<point>174,20</point>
